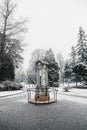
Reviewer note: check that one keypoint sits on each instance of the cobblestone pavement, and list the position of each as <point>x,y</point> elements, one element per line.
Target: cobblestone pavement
<point>17,114</point>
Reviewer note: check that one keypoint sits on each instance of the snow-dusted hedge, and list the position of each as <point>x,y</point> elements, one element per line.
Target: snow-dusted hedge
<point>66,89</point>
<point>8,86</point>
<point>55,84</point>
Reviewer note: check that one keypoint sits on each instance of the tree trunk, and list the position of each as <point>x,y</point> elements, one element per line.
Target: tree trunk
<point>76,84</point>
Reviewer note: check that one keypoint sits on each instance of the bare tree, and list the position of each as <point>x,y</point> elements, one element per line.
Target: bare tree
<point>38,54</point>
<point>20,75</point>
<point>60,61</point>
<point>31,77</point>
<point>11,30</point>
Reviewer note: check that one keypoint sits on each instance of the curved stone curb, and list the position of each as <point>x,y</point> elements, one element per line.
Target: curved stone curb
<point>73,95</point>
<point>42,102</point>
<point>12,94</point>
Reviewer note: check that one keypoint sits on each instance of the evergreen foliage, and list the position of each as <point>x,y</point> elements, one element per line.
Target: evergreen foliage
<point>7,69</point>
<point>10,41</point>
<point>73,56</point>
<point>53,68</point>
<point>80,71</point>
<point>78,59</point>
<point>67,72</point>
<point>81,47</point>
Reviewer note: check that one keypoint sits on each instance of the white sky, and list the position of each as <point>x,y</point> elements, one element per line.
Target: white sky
<point>54,24</point>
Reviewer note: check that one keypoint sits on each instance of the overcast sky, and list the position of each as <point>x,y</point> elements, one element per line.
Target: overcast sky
<point>54,24</point>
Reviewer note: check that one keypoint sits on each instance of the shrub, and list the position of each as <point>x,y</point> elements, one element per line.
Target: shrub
<point>1,87</point>
<point>66,89</point>
<point>6,68</point>
<point>55,84</point>
<point>8,86</point>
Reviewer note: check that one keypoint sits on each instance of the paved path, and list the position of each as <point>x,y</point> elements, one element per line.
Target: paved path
<point>17,114</point>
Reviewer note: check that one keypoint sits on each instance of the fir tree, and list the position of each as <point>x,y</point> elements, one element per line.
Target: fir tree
<point>53,68</point>
<point>73,56</point>
<point>67,72</point>
<point>80,72</point>
<point>82,46</point>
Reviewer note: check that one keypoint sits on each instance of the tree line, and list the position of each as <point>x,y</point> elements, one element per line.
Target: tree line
<point>76,67</point>
<point>73,70</point>
<point>11,49</point>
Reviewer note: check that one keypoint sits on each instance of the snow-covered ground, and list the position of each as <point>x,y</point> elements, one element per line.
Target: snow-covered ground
<point>9,93</point>
<point>72,92</point>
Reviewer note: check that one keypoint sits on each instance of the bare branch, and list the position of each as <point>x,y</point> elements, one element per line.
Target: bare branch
<point>10,29</point>
<point>16,25</point>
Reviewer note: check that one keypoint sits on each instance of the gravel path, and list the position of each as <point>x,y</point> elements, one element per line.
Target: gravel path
<point>17,114</point>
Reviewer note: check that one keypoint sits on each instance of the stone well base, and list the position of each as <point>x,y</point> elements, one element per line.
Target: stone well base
<point>43,101</point>
<point>42,98</point>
